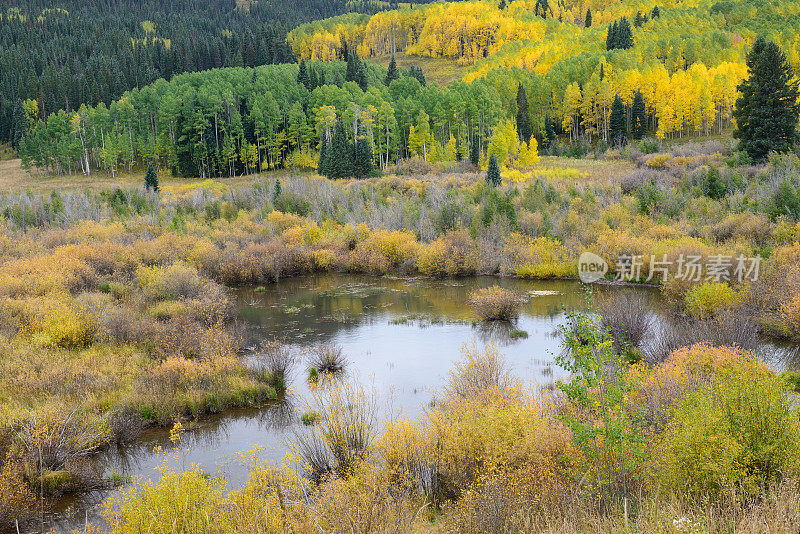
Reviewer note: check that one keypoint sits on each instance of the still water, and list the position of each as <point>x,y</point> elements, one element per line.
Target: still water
<point>401,336</point>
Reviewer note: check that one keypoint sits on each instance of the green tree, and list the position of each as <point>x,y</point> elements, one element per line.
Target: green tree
<point>151,178</point>
<point>587,21</point>
<point>766,112</point>
<point>524,127</point>
<point>392,73</point>
<point>341,164</point>
<point>302,75</point>
<point>474,151</point>
<point>549,131</point>
<point>638,116</point>
<point>655,13</point>
<point>493,172</point>
<point>363,159</point>
<point>617,128</point>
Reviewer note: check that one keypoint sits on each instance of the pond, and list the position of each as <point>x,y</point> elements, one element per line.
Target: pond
<point>401,336</point>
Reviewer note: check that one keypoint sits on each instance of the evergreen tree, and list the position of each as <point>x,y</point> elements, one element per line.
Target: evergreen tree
<point>638,20</point>
<point>302,75</point>
<point>617,128</point>
<point>638,116</point>
<point>524,127</point>
<point>541,8</point>
<point>361,74</point>
<point>493,172</point>
<point>341,156</point>
<point>363,159</point>
<point>766,113</point>
<point>416,72</point>
<point>655,13</point>
<point>587,22</point>
<point>151,178</point>
<point>322,166</point>
<point>502,5</point>
<point>611,36</point>
<point>549,131</point>
<point>474,151</point>
<point>351,73</point>
<point>392,73</point>
<point>276,192</point>
<point>625,35</point>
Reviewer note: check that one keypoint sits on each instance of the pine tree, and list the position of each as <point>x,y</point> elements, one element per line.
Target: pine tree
<point>276,192</point>
<point>363,159</point>
<point>638,20</point>
<point>151,178</point>
<point>655,13</point>
<point>341,155</point>
<point>617,129</point>
<point>392,73</point>
<point>524,127</point>
<point>766,113</point>
<point>474,151</point>
<point>502,5</point>
<point>638,116</point>
<point>587,22</point>
<point>361,74</point>
<point>351,73</point>
<point>302,75</point>
<point>493,172</point>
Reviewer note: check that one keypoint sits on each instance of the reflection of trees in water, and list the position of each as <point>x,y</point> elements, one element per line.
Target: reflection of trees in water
<point>498,332</point>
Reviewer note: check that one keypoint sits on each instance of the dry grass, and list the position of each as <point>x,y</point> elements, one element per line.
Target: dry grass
<point>496,303</point>
<point>439,70</point>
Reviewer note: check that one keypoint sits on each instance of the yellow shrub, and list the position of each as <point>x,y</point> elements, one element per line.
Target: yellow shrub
<point>658,161</point>
<point>58,322</point>
<point>453,254</point>
<point>708,299</point>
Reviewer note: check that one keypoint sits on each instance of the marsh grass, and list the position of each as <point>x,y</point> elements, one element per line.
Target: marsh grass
<point>327,359</point>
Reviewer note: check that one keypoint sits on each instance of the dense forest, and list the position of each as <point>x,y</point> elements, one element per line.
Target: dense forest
<point>71,52</point>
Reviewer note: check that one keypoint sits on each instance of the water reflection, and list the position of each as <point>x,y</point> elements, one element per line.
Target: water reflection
<point>402,335</point>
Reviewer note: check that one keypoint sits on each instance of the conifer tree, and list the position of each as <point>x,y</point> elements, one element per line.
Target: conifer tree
<point>276,192</point>
<point>302,75</point>
<point>611,36</point>
<point>340,155</point>
<point>502,5</point>
<point>474,151</point>
<point>493,172</point>
<point>655,13</point>
<point>624,35</point>
<point>617,129</point>
<point>363,159</point>
<point>549,131</point>
<point>322,166</point>
<point>766,113</point>
<point>638,116</point>
<point>587,22</point>
<point>151,178</point>
<point>524,127</point>
<point>416,72</point>
<point>392,73</point>
<point>638,20</point>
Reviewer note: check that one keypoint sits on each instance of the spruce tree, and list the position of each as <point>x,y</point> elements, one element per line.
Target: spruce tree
<point>502,5</point>
<point>587,22</point>
<point>524,127</point>
<point>361,74</point>
<point>638,116</point>
<point>617,129</point>
<point>624,35</point>
<point>302,75</point>
<point>474,151</point>
<point>416,72</point>
<point>276,192</point>
<point>363,160</point>
<point>392,73</point>
<point>493,172</point>
<point>611,36</point>
<point>766,113</point>
<point>655,13</point>
<point>151,178</point>
<point>341,156</point>
<point>638,20</point>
